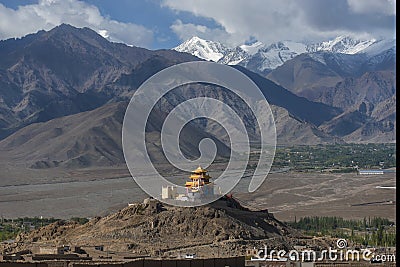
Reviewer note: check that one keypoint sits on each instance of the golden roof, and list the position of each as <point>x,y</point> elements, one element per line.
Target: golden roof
<point>192,184</point>
<point>197,176</point>
<point>199,170</point>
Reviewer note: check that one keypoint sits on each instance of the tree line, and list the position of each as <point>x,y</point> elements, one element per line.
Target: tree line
<point>369,231</point>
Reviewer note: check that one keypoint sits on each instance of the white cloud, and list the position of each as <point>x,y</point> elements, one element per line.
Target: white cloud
<point>373,6</point>
<point>274,20</point>
<point>188,30</point>
<point>238,19</point>
<point>47,14</point>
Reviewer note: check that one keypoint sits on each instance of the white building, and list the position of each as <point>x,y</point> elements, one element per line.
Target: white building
<point>169,192</point>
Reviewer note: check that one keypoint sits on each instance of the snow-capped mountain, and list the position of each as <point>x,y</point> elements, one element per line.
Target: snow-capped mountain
<point>251,49</point>
<point>264,58</point>
<point>203,49</point>
<point>379,46</point>
<point>270,57</point>
<point>234,56</point>
<point>342,44</point>
<point>213,51</point>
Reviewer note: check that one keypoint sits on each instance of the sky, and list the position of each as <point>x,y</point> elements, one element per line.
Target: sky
<point>157,24</point>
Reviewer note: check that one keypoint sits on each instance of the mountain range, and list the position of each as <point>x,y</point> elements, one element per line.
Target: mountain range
<point>63,93</point>
<point>344,72</point>
<point>263,58</point>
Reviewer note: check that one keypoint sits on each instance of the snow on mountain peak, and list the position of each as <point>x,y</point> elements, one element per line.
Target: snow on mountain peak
<point>265,58</point>
<point>274,55</point>
<point>203,49</point>
<point>379,46</point>
<point>252,48</point>
<point>342,44</point>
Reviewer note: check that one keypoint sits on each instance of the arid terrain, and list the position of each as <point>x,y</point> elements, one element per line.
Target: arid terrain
<point>60,125</point>
<point>97,192</point>
<point>223,228</point>
<point>315,194</point>
<point>295,103</point>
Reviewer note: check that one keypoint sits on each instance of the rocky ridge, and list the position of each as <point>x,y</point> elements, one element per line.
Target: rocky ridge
<point>151,227</point>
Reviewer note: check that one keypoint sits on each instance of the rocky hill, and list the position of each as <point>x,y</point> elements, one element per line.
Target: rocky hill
<point>149,227</point>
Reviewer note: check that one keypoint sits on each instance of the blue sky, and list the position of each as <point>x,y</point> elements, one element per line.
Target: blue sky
<point>158,24</point>
<point>152,15</point>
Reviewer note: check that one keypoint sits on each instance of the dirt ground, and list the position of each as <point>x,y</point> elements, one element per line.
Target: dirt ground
<point>310,194</point>
<point>97,192</point>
